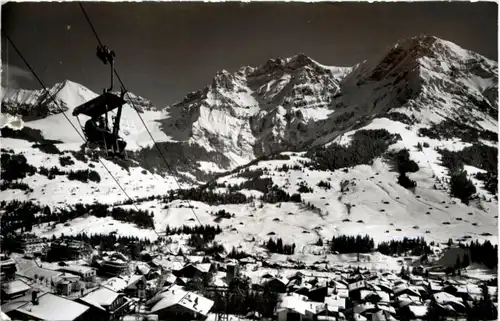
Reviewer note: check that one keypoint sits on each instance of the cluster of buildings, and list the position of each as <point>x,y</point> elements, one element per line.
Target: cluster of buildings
<point>111,286</point>
<point>108,287</point>
<point>368,295</point>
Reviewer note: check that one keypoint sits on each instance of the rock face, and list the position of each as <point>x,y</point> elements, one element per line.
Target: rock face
<point>294,103</point>
<point>288,104</point>
<point>393,134</point>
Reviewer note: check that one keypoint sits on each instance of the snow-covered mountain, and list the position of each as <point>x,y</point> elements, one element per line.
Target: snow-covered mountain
<point>258,111</point>
<point>426,95</point>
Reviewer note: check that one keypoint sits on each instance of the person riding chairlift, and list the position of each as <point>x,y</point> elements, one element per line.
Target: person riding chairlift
<point>95,128</point>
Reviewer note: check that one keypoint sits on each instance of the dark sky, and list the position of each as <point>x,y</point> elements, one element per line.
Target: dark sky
<point>165,50</point>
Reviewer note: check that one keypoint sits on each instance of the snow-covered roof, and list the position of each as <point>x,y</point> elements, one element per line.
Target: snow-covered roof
<point>133,317</point>
<point>16,286</point>
<point>418,310</point>
<point>281,280</point>
<point>405,299</point>
<point>100,298</point>
<point>343,293</point>
<point>292,303</point>
<point>400,288</point>
<point>118,284</point>
<point>435,286</point>
<point>416,278</point>
<point>143,268</point>
<point>339,285</point>
<point>220,280</point>
<point>77,269</point>
<point>387,308</point>
<point>382,315</point>
<point>176,295</point>
<point>383,285</point>
<point>51,307</point>
<point>360,308</point>
<point>336,301</point>
<point>359,317</point>
<point>384,296</point>
<point>171,265</point>
<point>39,272</point>
<point>203,267</point>
<point>298,304</point>
<point>170,278</point>
<point>322,307</point>
<point>4,317</point>
<point>445,298</point>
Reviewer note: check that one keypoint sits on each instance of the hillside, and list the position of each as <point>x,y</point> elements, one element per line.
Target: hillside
<point>376,148</point>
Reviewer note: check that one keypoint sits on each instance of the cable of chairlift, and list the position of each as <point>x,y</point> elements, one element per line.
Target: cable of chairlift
<point>47,92</point>
<point>138,113</point>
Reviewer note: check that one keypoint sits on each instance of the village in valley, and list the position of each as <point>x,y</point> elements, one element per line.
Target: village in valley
<point>137,281</point>
<point>285,190</point>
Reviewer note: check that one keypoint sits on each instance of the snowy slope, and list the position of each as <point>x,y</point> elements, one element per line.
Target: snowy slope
<point>288,105</point>
<point>387,210</point>
<point>69,95</point>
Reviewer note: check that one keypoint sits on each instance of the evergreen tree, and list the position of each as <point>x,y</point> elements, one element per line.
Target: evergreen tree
<point>458,264</point>
<point>402,273</point>
<point>466,261</point>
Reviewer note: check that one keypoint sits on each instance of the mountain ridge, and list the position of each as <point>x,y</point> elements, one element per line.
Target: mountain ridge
<point>290,148</point>
<point>294,103</point>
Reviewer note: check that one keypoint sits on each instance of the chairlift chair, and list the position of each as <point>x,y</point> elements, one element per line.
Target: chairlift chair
<point>97,127</point>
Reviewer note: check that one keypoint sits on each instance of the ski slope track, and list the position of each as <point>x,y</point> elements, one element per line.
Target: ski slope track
<point>283,107</point>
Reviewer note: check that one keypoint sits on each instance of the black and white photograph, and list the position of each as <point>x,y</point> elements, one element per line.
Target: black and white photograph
<point>258,160</point>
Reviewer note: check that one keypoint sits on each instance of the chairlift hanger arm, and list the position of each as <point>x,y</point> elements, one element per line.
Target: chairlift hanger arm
<point>116,127</point>
<point>106,55</point>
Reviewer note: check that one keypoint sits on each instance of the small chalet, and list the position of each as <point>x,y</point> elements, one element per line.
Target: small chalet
<point>174,304</point>
<point>126,284</point>
<point>105,304</point>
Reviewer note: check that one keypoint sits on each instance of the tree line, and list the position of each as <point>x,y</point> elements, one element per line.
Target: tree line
<point>21,215</point>
<point>483,253</point>
<point>279,247</point>
<point>407,246</point>
<point>478,155</point>
<point>365,146</point>
<point>450,129</point>
<point>15,166</point>
<point>352,244</point>
<point>208,230</point>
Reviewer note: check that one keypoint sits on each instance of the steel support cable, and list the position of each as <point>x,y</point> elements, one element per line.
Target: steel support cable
<point>62,111</point>
<point>138,113</point>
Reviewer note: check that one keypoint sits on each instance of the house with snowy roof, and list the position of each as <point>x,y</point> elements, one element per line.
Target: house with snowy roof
<point>46,306</point>
<point>126,284</point>
<point>106,304</point>
<point>174,303</point>
<point>447,299</point>
<point>13,289</point>
<point>293,306</point>
<point>86,273</point>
